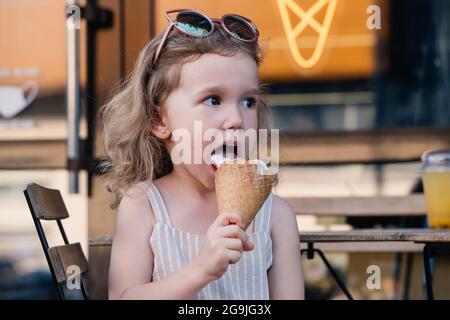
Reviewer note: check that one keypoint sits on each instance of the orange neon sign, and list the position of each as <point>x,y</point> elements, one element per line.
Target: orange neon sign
<point>306,19</point>
<point>302,39</point>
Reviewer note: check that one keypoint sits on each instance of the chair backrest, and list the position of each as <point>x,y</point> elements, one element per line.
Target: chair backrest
<point>70,267</point>
<point>67,263</point>
<point>47,204</point>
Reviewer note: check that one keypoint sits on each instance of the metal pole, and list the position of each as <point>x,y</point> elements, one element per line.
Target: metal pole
<point>427,269</point>
<point>73,17</point>
<point>333,273</point>
<point>310,255</point>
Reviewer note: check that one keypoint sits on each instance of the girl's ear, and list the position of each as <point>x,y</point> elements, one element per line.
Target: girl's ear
<point>160,127</point>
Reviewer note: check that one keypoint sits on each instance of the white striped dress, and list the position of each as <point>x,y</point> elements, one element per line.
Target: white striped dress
<point>172,248</point>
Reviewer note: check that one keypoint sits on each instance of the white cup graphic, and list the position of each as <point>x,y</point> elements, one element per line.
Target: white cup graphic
<point>13,99</point>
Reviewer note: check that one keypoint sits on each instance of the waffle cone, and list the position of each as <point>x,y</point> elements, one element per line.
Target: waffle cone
<point>240,189</point>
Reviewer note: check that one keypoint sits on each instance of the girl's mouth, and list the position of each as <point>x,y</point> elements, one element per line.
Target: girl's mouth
<point>229,150</point>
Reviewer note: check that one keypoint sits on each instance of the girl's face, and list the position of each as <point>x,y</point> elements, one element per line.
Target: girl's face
<point>218,92</point>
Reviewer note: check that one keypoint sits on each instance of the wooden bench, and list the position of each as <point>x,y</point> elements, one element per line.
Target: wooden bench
<point>410,205</point>
<point>380,206</point>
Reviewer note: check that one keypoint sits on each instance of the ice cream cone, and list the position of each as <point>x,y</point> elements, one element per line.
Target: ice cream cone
<point>240,189</point>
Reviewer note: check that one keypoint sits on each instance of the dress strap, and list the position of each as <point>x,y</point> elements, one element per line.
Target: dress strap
<point>264,216</point>
<point>157,202</point>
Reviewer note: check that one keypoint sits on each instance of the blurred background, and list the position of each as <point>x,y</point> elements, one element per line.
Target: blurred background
<point>358,93</point>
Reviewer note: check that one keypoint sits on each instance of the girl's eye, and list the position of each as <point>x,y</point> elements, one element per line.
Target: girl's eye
<point>249,103</point>
<point>212,101</point>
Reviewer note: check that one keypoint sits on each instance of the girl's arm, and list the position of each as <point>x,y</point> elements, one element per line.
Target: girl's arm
<point>285,275</point>
<point>131,263</point>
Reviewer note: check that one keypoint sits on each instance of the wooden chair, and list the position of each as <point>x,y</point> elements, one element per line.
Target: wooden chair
<point>67,263</point>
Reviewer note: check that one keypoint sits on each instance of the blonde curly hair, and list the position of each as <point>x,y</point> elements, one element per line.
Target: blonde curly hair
<point>133,153</point>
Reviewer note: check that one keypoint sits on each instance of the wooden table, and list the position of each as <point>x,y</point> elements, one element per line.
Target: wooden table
<point>423,236</point>
<point>433,241</point>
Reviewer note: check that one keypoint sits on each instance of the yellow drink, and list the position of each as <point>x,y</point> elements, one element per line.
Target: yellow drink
<point>437,195</point>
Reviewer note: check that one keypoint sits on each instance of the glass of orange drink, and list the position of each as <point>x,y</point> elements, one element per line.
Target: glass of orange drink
<point>435,172</point>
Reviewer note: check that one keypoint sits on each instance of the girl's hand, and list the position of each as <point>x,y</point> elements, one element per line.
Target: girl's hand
<point>223,245</point>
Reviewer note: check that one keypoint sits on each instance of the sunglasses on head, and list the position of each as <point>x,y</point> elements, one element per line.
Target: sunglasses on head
<point>196,24</point>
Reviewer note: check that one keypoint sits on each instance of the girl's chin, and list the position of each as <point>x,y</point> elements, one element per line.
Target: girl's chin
<point>205,174</point>
<point>210,176</point>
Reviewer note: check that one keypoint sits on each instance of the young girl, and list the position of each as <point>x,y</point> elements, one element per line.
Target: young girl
<point>170,242</point>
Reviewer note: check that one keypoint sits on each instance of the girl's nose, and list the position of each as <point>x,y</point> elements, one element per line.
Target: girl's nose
<point>233,118</point>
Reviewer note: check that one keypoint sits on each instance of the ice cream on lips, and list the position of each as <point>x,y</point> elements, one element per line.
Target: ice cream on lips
<point>219,159</point>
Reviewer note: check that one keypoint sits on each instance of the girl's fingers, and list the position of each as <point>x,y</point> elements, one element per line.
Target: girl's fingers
<point>233,256</point>
<point>232,231</point>
<point>248,246</point>
<point>233,244</point>
<point>237,244</point>
<point>225,219</point>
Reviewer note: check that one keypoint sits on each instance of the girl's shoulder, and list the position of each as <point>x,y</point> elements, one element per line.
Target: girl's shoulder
<point>135,205</point>
<point>136,194</point>
<point>282,213</point>
<point>280,203</point>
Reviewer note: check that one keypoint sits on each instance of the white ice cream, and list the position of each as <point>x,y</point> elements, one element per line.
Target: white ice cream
<point>219,159</point>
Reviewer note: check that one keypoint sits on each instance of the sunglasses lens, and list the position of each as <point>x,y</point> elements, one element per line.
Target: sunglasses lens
<point>194,24</point>
<point>239,28</point>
